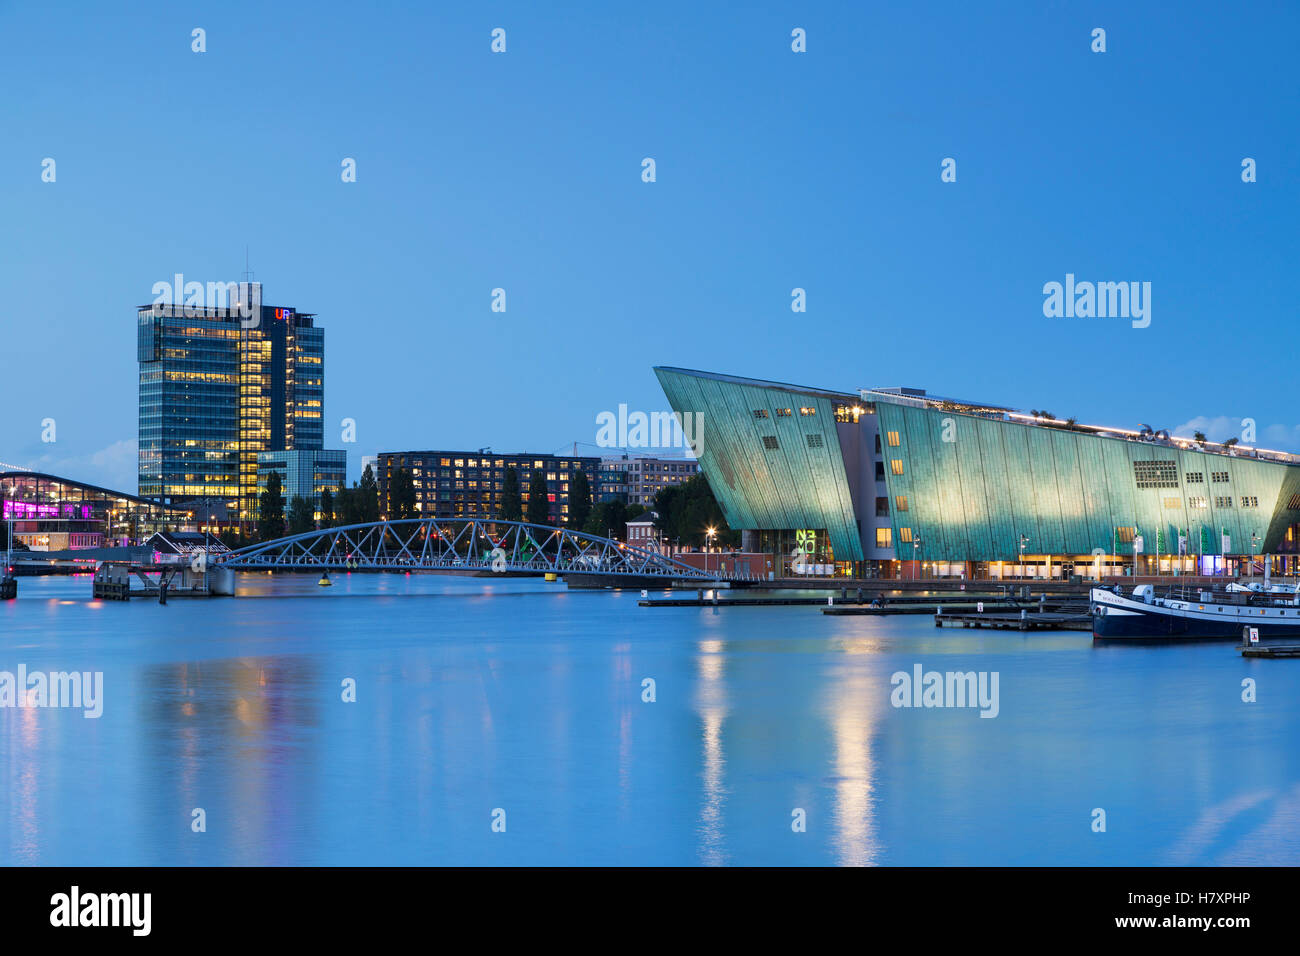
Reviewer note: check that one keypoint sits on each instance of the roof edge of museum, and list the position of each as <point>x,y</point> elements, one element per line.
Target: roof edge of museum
<point>759,383</point>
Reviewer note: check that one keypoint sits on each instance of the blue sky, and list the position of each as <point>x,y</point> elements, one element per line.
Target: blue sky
<point>775,170</point>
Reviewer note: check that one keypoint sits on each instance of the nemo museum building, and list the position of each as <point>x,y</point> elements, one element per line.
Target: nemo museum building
<point>898,483</point>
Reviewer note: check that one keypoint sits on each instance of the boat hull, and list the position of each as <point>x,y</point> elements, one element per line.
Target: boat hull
<point>1116,618</point>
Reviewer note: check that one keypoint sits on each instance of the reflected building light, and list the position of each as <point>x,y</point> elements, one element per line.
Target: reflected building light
<point>851,724</point>
<point>712,703</point>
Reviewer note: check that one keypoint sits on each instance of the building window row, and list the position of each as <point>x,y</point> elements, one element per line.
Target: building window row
<point>1155,474</point>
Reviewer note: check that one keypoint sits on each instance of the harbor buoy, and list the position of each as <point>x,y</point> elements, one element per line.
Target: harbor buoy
<point>325,581</point>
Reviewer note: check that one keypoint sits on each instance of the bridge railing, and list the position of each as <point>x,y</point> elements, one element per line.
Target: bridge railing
<point>466,544</point>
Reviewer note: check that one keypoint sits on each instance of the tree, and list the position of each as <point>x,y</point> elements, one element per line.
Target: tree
<point>539,504</point>
<point>687,510</point>
<point>369,496</point>
<point>348,508</point>
<point>401,494</point>
<point>270,511</point>
<point>326,508</point>
<point>512,507</point>
<point>301,516</point>
<point>1199,438</point>
<point>579,500</point>
<point>607,519</point>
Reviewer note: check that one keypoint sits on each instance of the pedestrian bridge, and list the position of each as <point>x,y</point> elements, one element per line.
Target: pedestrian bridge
<point>460,545</point>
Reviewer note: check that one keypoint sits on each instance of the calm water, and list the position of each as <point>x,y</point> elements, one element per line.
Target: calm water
<point>474,695</point>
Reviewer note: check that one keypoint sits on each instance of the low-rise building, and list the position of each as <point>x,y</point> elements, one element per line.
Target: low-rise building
<point>469,484</point>
<point>641,532</point>
<point>58,514</point>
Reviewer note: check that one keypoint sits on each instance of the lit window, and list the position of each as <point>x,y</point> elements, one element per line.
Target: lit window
<point>893,439</point>
<point>896,465</point>
<point>884,538</point>
<point>905,535</point>
<point>900,502</point>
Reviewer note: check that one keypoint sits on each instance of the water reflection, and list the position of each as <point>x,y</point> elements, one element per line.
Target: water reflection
<point>24,829</point>
<point>226,728</point>
<point>851,719</point>
<point>712,705</point>
<point>530,700</point>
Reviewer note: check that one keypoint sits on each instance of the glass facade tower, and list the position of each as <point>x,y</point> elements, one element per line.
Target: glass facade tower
<point>220,384</point>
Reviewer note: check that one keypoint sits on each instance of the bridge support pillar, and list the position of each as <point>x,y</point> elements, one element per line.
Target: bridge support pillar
<point>221,581</point>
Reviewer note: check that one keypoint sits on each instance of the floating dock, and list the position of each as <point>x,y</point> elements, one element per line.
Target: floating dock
<point>1271,650</point>
<point>1022,621</point>
<point>860,601</point>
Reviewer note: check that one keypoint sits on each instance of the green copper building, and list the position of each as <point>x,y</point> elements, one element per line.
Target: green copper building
<point>895,482</point>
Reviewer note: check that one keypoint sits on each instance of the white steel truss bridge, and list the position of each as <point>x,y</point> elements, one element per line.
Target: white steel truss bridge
<point>460,545</point>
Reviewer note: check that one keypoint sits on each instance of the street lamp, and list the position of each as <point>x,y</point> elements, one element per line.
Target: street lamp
<point>916,557</point>
<point>1024,540</point>
<point>1253,539</point>
<point>708,533</point>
